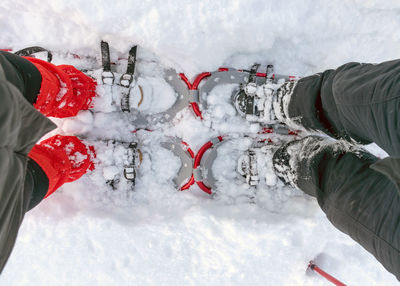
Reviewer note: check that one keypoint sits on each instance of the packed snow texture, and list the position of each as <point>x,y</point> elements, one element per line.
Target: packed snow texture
<point>88,234</point>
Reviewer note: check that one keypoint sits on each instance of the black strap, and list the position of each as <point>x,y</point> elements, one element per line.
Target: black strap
<point>107,75</point>
<point>36,183</point>
<point>253,73</point>
<point>250,99</point>
<point>131,61</point>
<point>127,78</point>
<point>269,73</point>
<point>33,50</point>
<point>249,104</point>
<point>105,56</point>
<point>132,151</point>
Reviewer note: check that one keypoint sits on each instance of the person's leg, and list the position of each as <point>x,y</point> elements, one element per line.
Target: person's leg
<point>36,184</point>
<point>56,91</point>
<point>64,90</point>
<point>22,74</point>
<point>52,161</point>
<point>356,101</point>
<point>358,200</point>
<point>62,159</point>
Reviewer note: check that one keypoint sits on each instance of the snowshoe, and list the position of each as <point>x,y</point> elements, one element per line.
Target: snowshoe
<point>146,99</point>
<point>153,98</point>
<point>240,165</point>
<point>219,166</point>
<point>244,98</point>
<point>218,96</point>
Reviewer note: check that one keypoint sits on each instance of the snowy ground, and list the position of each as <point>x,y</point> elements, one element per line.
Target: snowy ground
<point>87,235</point>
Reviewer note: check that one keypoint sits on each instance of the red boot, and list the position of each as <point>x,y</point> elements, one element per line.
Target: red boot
<point>64,90</point>
<point>63,159</point>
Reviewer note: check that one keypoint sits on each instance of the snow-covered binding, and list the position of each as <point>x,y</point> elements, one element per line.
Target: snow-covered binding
<point>253,98</point>
<point>117,162</point>
<point>254,164</point>
<point>247,167</point>
<point>126,80</point>
<point>130,87</point>
<point>250,102</point>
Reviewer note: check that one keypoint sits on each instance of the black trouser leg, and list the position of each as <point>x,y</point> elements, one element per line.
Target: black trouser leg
<point>36,184</point>
<point>360,102</point>
<point>358,200</point>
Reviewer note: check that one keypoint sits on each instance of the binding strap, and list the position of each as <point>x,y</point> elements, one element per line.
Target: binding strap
<point>30,51</point>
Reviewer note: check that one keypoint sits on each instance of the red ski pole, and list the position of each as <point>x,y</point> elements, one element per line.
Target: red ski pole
<point>321,272</point>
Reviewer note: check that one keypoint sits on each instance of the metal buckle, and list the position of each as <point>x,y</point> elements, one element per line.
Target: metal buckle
<point>107,77</point>
<point>126,80</point>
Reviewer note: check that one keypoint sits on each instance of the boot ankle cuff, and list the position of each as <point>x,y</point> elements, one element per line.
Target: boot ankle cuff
<point>64,90</point>
<point>281,103</point>
<point>282,165</point>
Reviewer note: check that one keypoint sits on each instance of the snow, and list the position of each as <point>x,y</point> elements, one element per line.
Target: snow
<point>88,234</point>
